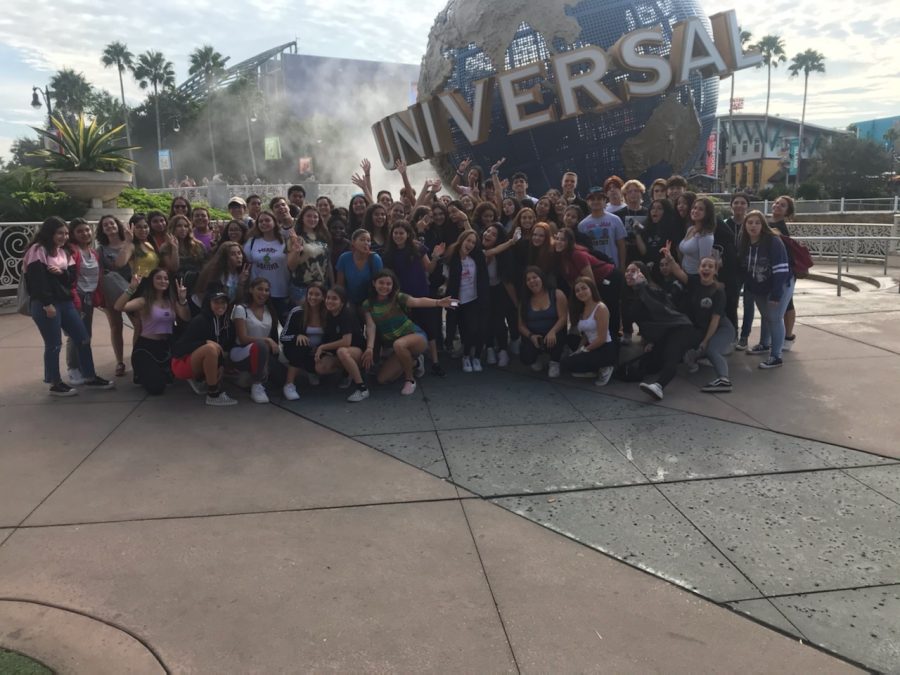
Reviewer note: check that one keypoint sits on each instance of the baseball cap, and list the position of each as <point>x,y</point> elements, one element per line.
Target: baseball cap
<point>237,200</point>
<point>596,191</point>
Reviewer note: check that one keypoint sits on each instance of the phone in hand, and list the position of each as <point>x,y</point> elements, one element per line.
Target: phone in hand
<point>454,304</point>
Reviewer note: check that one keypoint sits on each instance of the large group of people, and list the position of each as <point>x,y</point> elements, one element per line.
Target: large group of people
<point>483,273</point>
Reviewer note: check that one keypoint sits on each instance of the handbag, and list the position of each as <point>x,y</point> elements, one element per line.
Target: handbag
<point>23,298</point>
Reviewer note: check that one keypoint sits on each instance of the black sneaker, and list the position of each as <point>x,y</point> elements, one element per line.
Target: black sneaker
<point>771,362</point>
<point>62,389</point>
<point>99,383</point>
<point>436,369</point>
<point>719,385</point>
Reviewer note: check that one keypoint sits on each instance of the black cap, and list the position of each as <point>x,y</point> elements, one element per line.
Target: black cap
<point>596,191</point>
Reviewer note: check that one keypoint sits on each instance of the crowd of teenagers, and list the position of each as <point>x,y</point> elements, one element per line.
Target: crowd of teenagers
<point>559,281</point>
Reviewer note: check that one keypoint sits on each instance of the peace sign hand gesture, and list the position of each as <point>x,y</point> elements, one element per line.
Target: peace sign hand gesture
<point>181,289</point>
<point>496,167</point>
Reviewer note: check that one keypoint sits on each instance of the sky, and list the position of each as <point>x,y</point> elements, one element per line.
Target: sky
<point>39,37</point>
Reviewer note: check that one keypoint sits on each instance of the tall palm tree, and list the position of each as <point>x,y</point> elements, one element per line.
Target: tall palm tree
<point>772,49</point>
<point>71,93</point>
<point>208,62</point>
<point>745,38</point>
<point>153,70</point>
<point>117,54</point>
<point>806,62</point>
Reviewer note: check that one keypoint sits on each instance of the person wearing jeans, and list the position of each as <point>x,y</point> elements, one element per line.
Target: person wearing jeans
<point>767,276</point>
<point>49,275</point>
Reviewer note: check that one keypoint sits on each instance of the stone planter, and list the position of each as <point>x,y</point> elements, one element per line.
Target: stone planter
<point>98,189</point>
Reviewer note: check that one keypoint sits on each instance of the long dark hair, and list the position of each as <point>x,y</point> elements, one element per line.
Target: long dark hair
<point>410,251</point>
<point>526,293</point>
<point>576,306</point>
<point>44,234</point>
<point>708,226</point>
<point>101,235</point>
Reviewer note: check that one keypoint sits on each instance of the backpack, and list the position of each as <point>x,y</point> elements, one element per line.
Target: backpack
<point>798,257</point>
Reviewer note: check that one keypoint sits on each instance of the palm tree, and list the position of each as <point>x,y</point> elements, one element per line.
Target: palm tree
<point>117,54</point>
<point>807,62</point>
<point>745,38</point>
<point>208,62</point>
<point>772,49</point>
<point>153,70</point>
<point>70,92</point>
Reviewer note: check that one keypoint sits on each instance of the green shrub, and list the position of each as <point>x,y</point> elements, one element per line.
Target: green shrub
<point>26,195</point>
<point>142,201</point>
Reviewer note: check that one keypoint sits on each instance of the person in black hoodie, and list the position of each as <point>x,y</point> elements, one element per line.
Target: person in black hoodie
<point>667,333</point>
<point>49,276</point>
<point>199,353</point>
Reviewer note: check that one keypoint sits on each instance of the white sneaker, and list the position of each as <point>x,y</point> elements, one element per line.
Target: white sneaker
<point>409,388</point>
<point>75,377</point>
<point>491,357</point>
<point>313,379</point>
<point>654,389</point>
<point>553,369</point>
<point>503,358</point>
<point>290,392</point>
<point>358,395</point>
<point>420,365</point>
<point>466,364</point>
<point>786,347</point>
<point>258,393</point>
<point>476,365</point>
<point>514,346</point>
<point>604,376</point>
<point>221,400</point>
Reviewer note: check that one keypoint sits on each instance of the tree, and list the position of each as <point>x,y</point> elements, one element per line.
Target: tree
<point>891,138</point>
<point>71,93</point>
<point>117,54</point>
<point>851,167</point>
<point>105,106</point>
<point>208,62</point>
<point>745,38</point>
<point>806,62</point>
<point>772,49</point>
<point>153,70</point>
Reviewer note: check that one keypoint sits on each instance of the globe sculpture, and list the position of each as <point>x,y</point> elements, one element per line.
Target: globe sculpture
<point>645,138</point>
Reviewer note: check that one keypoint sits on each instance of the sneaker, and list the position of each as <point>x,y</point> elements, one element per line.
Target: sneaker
<point>75,377</point>
<point>457,352</point>
<point>258,393</point>
<point>585,374</point>
<point>604,376</point>
<point>290,392</point>
<point>705,362</point>
<point>741,344</point>
<point>514,346</point>
<point>503,358</point>
<point>409,388</point>
<point>625,339</point>
<point>221,400</point>
<point>491,357</point>
<point>438,370</point>
<point>345,382</point>
<point>719,385</point>
<point>553,369</point>
<point>358,395</point>
<point>98,383</point>
<point>199,387</point>
<point>771,362</point>
<point>420,365</point>
<point>757,349</point>
<point>654,389</point>
<point>466,364</point>
<point>62,389</point>
<point>313,379</point>
<point>476,365</point>
<point>690,360</point>
<point>789,343</point>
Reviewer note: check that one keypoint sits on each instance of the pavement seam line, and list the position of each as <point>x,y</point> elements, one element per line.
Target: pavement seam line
<point>852,339</point>
<point>822,591</point>
<point>846,471</point>
<point>107,622</point>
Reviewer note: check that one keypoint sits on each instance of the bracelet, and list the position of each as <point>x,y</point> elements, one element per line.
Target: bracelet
<point>129,291</point>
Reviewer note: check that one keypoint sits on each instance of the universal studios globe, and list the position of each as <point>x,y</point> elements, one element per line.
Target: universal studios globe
<point>470,36</point>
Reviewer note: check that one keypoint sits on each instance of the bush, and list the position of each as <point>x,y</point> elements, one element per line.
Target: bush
<point>27,196</point>
<point>142,201</point>
<point>809,190</point>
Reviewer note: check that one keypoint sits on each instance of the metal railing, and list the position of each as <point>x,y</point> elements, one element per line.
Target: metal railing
<point>888,243</point>
<point>824,206</point>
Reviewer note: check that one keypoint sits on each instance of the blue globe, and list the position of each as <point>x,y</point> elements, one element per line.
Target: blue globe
<point>470,36</point>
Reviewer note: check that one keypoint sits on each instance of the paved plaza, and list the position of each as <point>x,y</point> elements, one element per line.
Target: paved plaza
<point>499,522</point>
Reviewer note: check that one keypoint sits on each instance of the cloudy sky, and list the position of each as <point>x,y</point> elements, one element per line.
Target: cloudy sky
<point>38,37</point>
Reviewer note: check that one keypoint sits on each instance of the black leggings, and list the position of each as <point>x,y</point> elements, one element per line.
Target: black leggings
<point>470,318</point>
<point>587,362</point>
<point>669,350</point>
<point>528,353</point>
<point>299,356</point>
<point>151,362</point>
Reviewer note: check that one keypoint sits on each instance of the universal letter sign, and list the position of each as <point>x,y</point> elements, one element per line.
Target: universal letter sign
<point>422,131</point>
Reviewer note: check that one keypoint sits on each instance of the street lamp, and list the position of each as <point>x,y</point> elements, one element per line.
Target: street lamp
<point>36,101</point>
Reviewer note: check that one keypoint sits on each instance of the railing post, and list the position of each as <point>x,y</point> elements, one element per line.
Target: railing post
<point>842,204</point>
<point>766,206</point>
<point>896,204</point>
<point>840,244</point>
